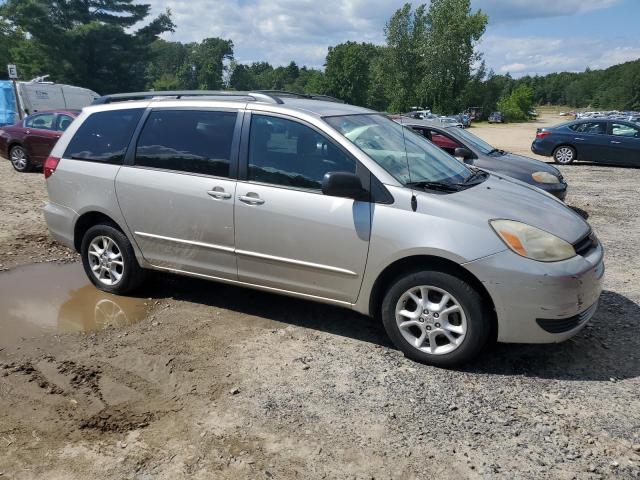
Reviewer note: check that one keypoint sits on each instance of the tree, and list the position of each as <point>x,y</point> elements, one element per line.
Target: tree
<point>449,52</point>
<point>517,105</point>
<point>86,42</point>
<point>403,57</point>
<point>349,71</point>
<point>166,58</point>
<point>205,64</point>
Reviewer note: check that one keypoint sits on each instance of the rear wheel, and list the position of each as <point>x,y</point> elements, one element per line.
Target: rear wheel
<point>19,159</point>
<point>109,260</point>
<point>564,155</point>
<point>436,318</point>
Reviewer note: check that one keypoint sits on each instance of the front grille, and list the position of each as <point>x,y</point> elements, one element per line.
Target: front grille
<point>554,325</point>
<point>586,245</point>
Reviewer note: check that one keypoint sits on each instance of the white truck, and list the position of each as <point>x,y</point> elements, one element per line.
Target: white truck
<point>25,98</point>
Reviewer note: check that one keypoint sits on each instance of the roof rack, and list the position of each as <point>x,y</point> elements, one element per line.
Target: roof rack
<point>310,96</point>
<point>270,96</point>
<point>251,96</point>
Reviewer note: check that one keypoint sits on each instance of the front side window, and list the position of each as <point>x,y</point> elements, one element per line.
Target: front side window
<point>104,136</point>
<point>288,153</point>
<point>405,154</point>
<point>623,130</point>
<point>591,128</point>
<point>43,121</point>
<point>193,141</point>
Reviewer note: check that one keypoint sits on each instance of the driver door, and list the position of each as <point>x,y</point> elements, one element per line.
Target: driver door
<point>289,236</point>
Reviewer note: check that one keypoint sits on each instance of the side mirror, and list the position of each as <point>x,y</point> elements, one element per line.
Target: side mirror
<point>463,153</point>
<point>344,184</point>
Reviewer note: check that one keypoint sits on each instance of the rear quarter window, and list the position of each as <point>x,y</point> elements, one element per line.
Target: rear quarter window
<point>104,136</point>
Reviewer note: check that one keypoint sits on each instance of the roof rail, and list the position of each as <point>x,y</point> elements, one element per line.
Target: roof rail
<point>252,96</point>
<point>310,96</point>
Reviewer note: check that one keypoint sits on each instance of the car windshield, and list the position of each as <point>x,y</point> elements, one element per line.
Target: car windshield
<point>477,142</point>
<point>406,155</point>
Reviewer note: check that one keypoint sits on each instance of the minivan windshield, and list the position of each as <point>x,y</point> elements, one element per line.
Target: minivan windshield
<point>407,156</point>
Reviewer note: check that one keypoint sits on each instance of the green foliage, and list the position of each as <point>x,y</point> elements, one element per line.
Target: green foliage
<point>87,42</point>
<point>449,52</point>
<point>516,106</point>
<point>349,73</point>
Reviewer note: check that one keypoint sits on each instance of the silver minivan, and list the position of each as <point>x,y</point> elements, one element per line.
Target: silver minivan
<point>330,202</point>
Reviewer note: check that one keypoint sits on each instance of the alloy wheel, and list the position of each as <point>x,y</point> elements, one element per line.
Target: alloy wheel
<point>18,158</point>
<point>564,155</point>
<point>431,320</point>
<point>105,260</point>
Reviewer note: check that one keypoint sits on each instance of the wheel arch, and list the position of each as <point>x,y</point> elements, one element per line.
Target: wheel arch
<point>89,219</point>
<point>427,262</point>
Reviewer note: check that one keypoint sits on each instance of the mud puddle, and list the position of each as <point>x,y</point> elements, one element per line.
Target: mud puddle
<point>47,298</point>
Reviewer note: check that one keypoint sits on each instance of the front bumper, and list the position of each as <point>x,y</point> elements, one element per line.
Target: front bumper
<point>558,190</point>
<point>525,291</point>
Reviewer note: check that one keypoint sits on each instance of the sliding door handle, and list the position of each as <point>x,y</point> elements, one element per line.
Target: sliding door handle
<point>219,194</point>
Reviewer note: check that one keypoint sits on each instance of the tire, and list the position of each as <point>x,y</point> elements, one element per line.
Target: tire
<point>19,159</point>
<point>564,155</point>
<point>469,325</point>
<point>115,269</point>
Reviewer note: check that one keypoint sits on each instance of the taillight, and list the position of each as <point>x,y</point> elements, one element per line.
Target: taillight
<point>50,165</point>
<point>542,134</point>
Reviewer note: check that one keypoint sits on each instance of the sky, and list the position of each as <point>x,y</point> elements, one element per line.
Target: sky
<point>523,37</point>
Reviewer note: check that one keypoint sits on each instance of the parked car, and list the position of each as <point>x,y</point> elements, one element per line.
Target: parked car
<point>464,119</point>
<point>323,201</point>
<point>595,140</point>
<point>475,151</point>
<point>28,143</point>
<point>496,117</point>
<point>448,121</point>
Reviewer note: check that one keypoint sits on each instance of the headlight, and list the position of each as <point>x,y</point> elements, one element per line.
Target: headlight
<point>545,177</point>
<point>531,242</point>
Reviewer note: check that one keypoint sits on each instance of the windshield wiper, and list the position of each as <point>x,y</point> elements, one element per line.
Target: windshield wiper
<point>443,186</point>
<point>497,150</point>
<point>476,174</point>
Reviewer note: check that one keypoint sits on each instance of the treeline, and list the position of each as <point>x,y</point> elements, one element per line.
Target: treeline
<point>427,60</point>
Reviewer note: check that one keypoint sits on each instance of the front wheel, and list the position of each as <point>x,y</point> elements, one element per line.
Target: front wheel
<point>109,260</point>
<point>19,159</point>
<point>564,155</point>
<point>436,318</point>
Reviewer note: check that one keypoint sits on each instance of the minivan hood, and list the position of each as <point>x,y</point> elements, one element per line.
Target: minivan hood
<point>501,197</point>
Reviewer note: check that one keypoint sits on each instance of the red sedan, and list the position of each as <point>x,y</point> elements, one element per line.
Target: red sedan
<point>27,144</point>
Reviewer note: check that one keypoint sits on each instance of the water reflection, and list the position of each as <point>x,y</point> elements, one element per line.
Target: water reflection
<point>46,298</point>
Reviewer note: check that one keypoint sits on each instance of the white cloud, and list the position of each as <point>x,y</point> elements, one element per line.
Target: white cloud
<point>279,31</point>
<point>515,10</point>
<point>539,55</point>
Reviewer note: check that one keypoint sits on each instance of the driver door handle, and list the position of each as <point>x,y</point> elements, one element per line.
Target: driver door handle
<point>251,198</point>
<point>614,141</point>
<point>578,138</point>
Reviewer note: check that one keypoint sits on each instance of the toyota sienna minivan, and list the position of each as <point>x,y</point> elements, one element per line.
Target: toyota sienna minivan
<point>312,198</point>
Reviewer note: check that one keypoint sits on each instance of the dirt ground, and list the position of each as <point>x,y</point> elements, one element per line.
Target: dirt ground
<point>215,381</point>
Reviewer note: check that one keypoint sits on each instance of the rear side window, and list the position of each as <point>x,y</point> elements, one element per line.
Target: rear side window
<point>194,141</point>
<point>284,152</point>
<point>104,136</point>
<point>592,128</point>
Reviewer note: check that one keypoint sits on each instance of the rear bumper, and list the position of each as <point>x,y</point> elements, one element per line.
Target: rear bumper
<point>540,148</point>
<point>540,302</point>
<point>60,221</point>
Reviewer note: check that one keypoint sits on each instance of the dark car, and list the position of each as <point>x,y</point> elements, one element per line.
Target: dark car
<point>27,143</point>
<point>475,151</point>
<point>496,117</point>
<point>593,140</point>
